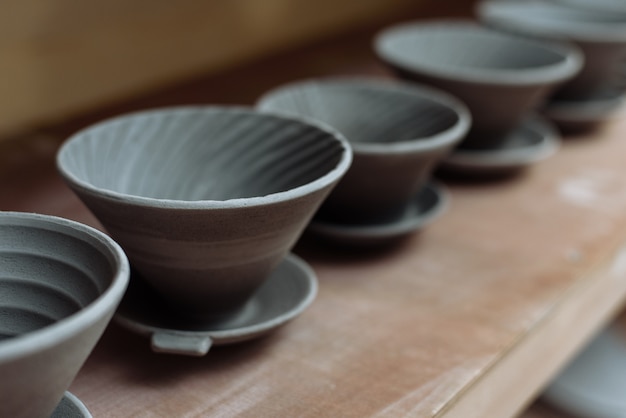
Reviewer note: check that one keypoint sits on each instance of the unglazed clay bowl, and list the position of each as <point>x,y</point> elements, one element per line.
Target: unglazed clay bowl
<point>61,282</point>
<point>604,6</point>
<point>501,77</point>
<point>206,201</point>
<point>600,36</point>
<point>398,133</point>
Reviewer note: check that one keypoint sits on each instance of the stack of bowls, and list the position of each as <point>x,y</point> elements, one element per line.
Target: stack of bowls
<point>501,77</point>
<point>399,132</point>
<point>207,202</point>
<point>597,90</point>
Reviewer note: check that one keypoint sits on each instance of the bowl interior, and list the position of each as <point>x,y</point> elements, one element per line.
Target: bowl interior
<point>200,154</point>
<point>46,276</point>
<point>463,48</point>
<point>366,113</point>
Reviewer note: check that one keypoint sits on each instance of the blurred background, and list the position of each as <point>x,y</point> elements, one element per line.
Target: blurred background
<point>64,59</point>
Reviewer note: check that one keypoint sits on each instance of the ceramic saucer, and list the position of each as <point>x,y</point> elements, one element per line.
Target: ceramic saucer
<point>426,206</point>
<point>578,115</point>
<point>289,290</point>
<point>594,383</point>
<point>70,407</point>
<point>534,140</point>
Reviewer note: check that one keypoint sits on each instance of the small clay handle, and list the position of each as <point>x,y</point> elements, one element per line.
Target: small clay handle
<point>180,343</point>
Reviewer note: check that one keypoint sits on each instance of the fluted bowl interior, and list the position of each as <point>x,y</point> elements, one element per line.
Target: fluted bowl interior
<point>554,19</point>
<point>50,271</point>
<point>466,51</point>
<point>200,154</point>
<point>373,111</point>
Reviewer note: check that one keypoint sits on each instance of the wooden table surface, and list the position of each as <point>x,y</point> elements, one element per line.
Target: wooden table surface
<point>469,318</point>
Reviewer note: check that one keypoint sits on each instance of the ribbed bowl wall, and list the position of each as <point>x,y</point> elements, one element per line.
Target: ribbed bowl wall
<point>365,112</point>
<point>45,276</point>
<point>556,18</point>
<point>193,155</point>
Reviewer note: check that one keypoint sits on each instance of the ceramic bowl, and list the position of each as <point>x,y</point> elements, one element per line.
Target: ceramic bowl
<point>600,36</point>
<point>206,201</point>
<point>501,77</point>
<point>603,6</point>
<point>61,282</point>
<point>398,132</point>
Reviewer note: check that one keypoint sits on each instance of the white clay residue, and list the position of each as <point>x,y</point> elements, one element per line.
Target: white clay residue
<point>598,190</point>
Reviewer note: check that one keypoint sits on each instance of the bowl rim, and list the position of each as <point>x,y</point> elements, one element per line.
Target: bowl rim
<point>104,305</point>
<point>446,137</point>
<point>328,179</point>
<point>577,32</point>
<point>567,67</point>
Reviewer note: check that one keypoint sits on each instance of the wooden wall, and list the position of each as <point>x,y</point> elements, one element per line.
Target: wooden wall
<point>61,57</point>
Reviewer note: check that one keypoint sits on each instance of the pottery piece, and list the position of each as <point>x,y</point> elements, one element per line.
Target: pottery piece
<point>600,36</point>
<point>430,202</point>
<point>592,384</point>
<point>605,6</point>
<point>206,201</point>
<point>575,116</point>
<point>71,407</point>
<point>398,132</point>
<point>61,283</point>
<point>289,290</point>
<point>534,140</point>
<point>499,76</point>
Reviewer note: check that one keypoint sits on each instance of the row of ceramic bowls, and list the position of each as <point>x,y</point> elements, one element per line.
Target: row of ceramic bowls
<point>207,202</point>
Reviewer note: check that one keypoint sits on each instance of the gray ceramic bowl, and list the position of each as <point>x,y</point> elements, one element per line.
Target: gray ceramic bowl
<point>398,132</point>
<point>206,201</point>
<point>501,77</point>
<point>61,283</point>
<point>600,36</point>
<point>603,6</point>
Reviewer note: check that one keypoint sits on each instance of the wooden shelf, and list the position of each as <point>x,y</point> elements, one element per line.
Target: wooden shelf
<point>470,318</point>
